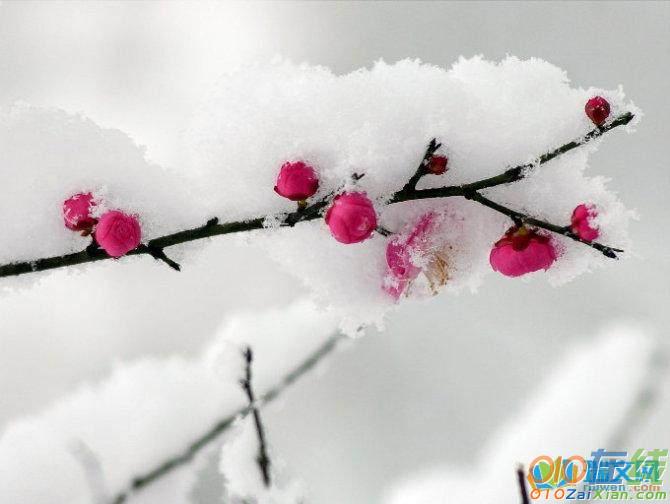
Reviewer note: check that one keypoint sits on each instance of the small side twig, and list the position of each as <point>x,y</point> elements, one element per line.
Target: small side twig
<point>522,485</point>
<point>521,218</point>
<point>262,459</point>
<point>422,169</point>
<point>159,254</point>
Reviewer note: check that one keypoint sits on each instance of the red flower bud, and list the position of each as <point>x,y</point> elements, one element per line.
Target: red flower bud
<point>118,233</point>
<point>351,218</point>
<point>598,110</point>
<point>77,212</point>
<point>522,251</point>
<point>581,222</point>
<point>437,165</point>
<point>296,181</point>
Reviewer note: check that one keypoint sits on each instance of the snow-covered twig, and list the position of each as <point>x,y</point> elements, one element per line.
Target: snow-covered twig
<point>213,227</point>
<point>188,454</point>
<point>262,459</point>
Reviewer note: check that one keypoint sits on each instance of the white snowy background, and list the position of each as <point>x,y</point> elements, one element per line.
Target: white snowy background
<point>454,390</point>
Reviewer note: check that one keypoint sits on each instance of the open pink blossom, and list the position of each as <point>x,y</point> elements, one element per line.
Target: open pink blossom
<point>402,254</point>
<point>118,233</point>
<point>522,251</point>
<point>297,181</point>
<point>77,212</point>
<point>581,222</point>
<point>351,217</point>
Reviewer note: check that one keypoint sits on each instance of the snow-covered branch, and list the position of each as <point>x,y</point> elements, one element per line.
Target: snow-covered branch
<point>213,227</point>
<point>186,456</point>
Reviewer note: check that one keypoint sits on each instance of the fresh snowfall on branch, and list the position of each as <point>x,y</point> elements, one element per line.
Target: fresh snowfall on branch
<point>150,426</point>
<point>391,182</point>
<point>386,184</point>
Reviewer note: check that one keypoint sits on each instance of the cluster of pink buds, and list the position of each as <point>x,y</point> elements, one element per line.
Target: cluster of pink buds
<point>525,250</point>
<point>351,217</point>
<point>115,232</point>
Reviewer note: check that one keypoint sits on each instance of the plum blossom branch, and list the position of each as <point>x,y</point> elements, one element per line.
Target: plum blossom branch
<point>213,227</point>
<point>189,452</point>
<point>521,218</point>
<point>422,170</point>
<point>262,459</point>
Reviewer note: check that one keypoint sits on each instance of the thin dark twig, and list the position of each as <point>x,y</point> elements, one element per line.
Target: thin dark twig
<point>159,255</point>
<point>188,454</point>
<point>522,218</point>
<point>511,174</point>
<point>383,231</point>
<point>262,459</point>
<point>311,212</point>
<point>519,172</point>
<point>422,169</point>
<point>522,485</point>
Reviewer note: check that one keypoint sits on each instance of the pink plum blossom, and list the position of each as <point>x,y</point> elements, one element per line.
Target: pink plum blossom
<point>403,253</point>
<point>400,251</point>
<point>522,251</point>
<point>296,181</point>
<point>581,222</point>
<point>118,233</point>
<point>351,217</point>
<point>77,212</point>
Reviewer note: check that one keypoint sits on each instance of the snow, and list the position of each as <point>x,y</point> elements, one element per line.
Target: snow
<point>242,474</point>
<point>49,155</point>
<point>578,407</point>
<point>375,121</point>
<point>150,410</point>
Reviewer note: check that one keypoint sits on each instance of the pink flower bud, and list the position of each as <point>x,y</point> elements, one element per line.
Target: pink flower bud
<point>522,251</point>
<point>598,110</point>
<point>581,222</point>
<point>437,165</point>
<point>296,181</point>
<point>351,218</point>
<point>77,212</point>
<point>118,233</point>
